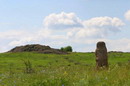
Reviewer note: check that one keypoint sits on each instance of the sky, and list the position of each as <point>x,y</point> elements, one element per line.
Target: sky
<point>59,23</point>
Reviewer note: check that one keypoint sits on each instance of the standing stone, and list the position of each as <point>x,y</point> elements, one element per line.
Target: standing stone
<point>101,55</point>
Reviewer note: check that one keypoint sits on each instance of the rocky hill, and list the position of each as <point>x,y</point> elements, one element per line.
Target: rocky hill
<point>37,48</point>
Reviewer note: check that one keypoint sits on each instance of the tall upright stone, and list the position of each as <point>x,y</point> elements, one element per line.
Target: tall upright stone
<point>101,55</point>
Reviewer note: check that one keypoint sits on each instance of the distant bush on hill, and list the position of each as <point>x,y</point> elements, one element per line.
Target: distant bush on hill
<point>67,49</point>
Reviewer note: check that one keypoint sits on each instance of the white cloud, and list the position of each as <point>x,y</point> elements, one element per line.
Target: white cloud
<point>127,15</point>
<point>29,37</point>
<point>98,27</point>
<point>67,29</point>
<point>22,41</point>
<point>109,23</point>
<point>61,21</point>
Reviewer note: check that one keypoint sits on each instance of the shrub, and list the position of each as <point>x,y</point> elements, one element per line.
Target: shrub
<point>67,49</point>
<point>28,67</point>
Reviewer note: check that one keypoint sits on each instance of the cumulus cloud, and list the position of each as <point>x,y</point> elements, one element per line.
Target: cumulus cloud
<point>28,37</point>
<point>127,15</point>
<point>67,29</point>
<point>95,27</point>
<point>98,27</point>
<point>108,23</point>
<point>61,21</point>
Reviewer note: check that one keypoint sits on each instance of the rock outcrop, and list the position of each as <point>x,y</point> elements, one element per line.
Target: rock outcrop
<point>37,48</point>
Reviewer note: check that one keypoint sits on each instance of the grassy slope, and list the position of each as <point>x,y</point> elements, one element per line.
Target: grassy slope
<point>75,69</point>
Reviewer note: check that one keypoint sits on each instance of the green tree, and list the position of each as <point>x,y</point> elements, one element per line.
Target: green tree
<point>62,49</point>
<point>67,49</point>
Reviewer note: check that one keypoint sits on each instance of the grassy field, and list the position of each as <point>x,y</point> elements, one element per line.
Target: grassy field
<point>75,69</point>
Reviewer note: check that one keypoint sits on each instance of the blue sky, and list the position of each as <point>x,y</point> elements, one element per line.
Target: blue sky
<point>55,23</point>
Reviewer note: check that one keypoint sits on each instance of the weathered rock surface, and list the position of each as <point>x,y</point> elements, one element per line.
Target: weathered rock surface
<point>37,48</point>
<point>101,55</point>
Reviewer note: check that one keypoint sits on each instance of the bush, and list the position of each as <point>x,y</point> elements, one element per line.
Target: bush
<point>67,49</point>
<point>28,67</point>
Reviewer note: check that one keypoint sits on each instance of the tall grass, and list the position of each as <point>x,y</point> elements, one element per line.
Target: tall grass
<point>75,69</point>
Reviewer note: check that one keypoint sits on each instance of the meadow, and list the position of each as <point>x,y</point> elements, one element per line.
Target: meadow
<point>74,69</point>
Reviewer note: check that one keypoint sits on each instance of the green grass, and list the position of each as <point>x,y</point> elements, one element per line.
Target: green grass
<point>75,69</point>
